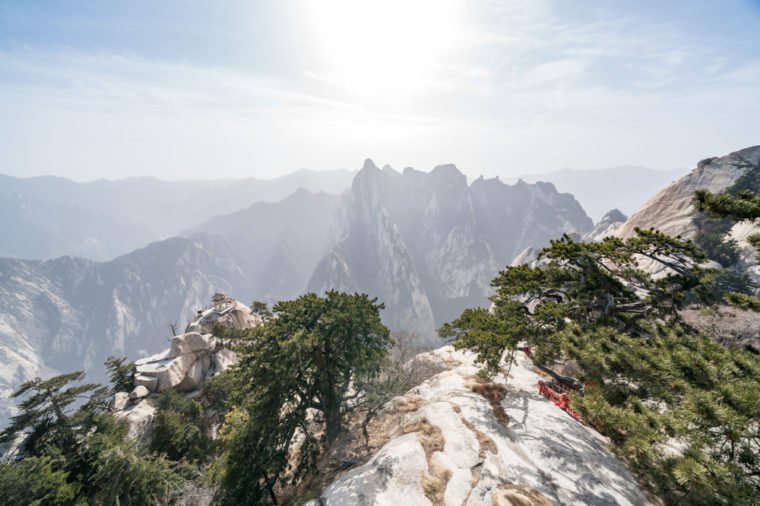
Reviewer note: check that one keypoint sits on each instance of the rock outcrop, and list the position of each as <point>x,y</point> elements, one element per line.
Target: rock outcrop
<point>191,359</point>
<point>607,226</point>
<point>672,210</point>
<point>456,448</point>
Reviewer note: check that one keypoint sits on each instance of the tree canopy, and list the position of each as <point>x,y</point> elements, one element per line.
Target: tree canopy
<point>303,363</point>
<point>652,383</point>
<point>76,452</point>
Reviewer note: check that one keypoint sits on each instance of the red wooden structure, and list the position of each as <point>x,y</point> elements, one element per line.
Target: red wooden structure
<point>559,395</point>
<point>556,392</point>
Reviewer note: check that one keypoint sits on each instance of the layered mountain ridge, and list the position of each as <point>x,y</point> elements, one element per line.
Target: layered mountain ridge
<point>428,244</point>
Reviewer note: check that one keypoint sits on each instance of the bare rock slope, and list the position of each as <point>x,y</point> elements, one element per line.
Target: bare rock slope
<point>672,210</point>
<point>457,449</point>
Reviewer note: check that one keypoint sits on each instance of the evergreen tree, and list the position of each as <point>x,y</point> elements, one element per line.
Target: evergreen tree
<point>651,381</point>
<point>121,373</point>
<point>739,203</point>
<point>178,429</point>
<point>306,357</point>
<point>47,413</point>
<point>76,452</point>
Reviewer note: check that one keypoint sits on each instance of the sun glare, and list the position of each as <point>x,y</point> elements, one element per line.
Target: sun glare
<point>384,47</point>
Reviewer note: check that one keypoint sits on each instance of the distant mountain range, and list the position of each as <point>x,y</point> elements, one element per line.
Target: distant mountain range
<point>426,244</point>
<point>625,188</point>
<point>46,217</point>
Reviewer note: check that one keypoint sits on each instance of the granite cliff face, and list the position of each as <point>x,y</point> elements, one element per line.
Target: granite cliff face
<point>672,210</point>
<point>428,244</point>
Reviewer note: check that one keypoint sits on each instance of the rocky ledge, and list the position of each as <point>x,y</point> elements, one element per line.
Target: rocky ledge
<point>470,443</point>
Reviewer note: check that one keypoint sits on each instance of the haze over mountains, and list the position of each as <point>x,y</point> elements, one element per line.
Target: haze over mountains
<point>426,244</point>
<point>46,217</point>
<point>625,188</point>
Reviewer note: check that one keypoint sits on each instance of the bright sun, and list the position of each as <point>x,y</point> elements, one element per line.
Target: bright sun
<point>383,48</point>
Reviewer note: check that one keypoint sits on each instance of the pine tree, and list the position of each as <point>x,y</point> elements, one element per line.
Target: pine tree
<point>651,380</point>
<point>305,358</point>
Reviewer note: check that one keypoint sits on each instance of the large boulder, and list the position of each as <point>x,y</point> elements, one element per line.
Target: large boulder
<point>191,342</point>
<point>194,376</point>
<point>149,382</point>
<point>182,366</point>
<point>119,401</point>
<point>139,392</point>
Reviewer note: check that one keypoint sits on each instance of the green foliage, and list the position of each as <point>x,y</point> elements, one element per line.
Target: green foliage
<point>178,428</point>
<point>741,202</point>
<point>306,356</point>
<point>121,373</point>
<point>48,415</point>
<point>123,475</point>
<point>739,206</point>
<point>654,382</point>
<point>77,452</point>
<point>261,308</point>
<point>34,482</point>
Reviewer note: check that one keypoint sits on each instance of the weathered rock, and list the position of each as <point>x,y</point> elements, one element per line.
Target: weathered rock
<point>191,342</point>
<point>194,375</point>
<point>227,313</point>
<point>392,477</point>
<point>672,210</point>
<point>119,401</point>
<point>223,359</point>
<point>138,417</point>
<point>173,373</point>
<point>149,382</point>
<point>139,392</point>
<point>542,452</point>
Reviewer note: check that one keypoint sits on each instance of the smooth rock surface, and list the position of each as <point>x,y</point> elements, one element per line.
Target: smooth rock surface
<point>191,342</point>
<point>138,417</point>
<point>139,392</point>
<point>149,382</point>
<point>542,450</point>
<point>119,401</point>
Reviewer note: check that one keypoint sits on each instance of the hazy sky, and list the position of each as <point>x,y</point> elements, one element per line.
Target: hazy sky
<point>191,89</point>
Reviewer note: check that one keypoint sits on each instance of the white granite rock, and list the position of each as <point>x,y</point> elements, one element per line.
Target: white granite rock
<point>119,401</point>
<point>149,382</point>
<point>139,392</point>
<point>138,417</point>
<point>543,452</point>
<point>192,342</point>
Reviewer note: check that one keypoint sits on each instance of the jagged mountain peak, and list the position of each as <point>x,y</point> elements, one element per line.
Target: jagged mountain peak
<point>447,169</point>
<point>607,226</point>
<point>613,216</point>
<point>369,165</point>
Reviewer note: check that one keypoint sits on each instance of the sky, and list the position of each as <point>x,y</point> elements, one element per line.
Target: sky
<point>184,89</point>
